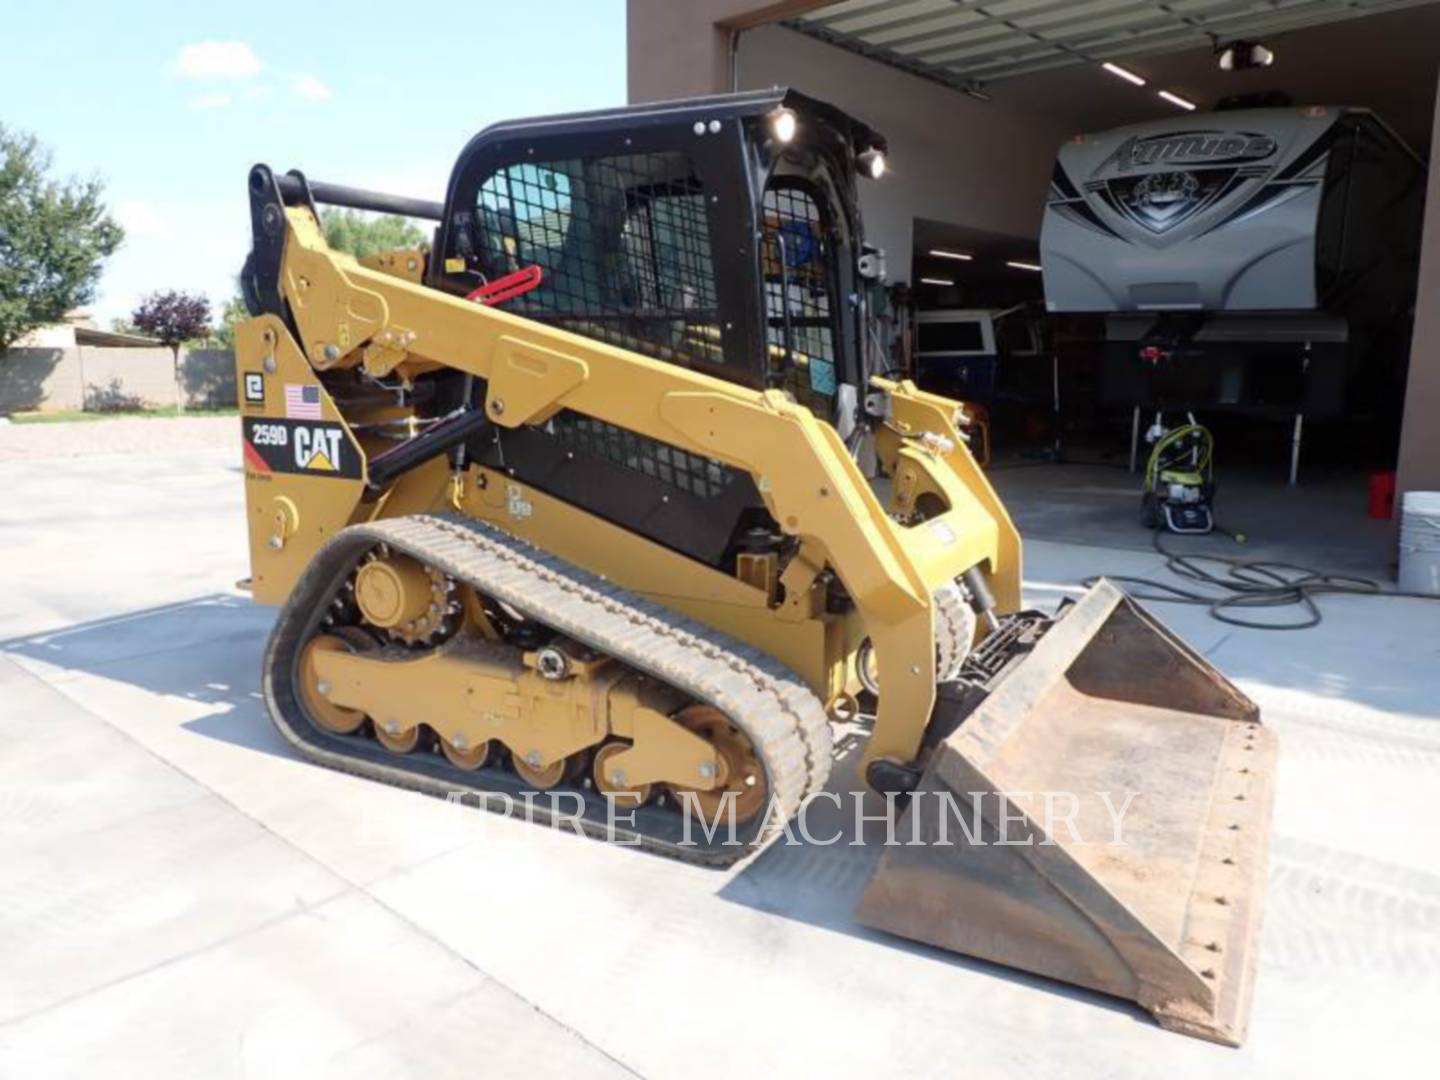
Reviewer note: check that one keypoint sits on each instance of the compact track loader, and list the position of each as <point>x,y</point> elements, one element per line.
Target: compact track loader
<point>575,500</point>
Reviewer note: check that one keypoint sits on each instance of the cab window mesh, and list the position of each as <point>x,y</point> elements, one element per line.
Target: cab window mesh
<point>671,465</point>
<point>799,306</point>
<point>624,244</point>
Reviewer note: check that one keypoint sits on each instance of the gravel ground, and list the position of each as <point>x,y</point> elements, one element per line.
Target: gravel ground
<point>127,435</point>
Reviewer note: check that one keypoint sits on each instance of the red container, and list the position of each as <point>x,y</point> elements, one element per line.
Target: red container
<point>1382,495</point>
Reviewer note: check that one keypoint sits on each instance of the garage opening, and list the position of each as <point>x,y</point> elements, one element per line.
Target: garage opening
<point>1115,217</point>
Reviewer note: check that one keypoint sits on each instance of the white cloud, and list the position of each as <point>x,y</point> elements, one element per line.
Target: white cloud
<point>217,60</point>
<point>209,101</point>
<point>311,88</point>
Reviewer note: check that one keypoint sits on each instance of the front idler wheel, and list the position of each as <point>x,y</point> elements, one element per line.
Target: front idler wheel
<point>315,691</point>
<point>741,773</point>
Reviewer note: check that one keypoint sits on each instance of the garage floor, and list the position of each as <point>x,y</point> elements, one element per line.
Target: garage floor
<point>1320,523</point>
<point>181,896</point>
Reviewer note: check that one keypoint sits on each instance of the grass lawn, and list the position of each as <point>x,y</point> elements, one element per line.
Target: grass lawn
<point>66,416</point>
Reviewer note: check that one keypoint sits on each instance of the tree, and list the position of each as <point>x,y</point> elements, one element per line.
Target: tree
<point>173,318</point>
<point>361,234</point>
<point>54,237</point>
<point>233,312</point>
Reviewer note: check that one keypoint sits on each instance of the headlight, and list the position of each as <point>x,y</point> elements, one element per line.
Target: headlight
<point>872,163</point>
<point>783,124</point>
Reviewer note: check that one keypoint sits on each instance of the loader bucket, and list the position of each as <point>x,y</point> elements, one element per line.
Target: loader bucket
<point>1108,703</point>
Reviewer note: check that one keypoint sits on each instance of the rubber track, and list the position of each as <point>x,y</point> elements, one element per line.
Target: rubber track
<point>954,630</point>
<point>778,713</point>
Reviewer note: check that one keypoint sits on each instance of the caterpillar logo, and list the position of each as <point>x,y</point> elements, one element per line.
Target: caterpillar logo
<point>318,448</point>
<point>294,446</point>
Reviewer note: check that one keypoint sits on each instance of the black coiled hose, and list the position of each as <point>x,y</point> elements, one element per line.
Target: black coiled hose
<point>1249,583</point>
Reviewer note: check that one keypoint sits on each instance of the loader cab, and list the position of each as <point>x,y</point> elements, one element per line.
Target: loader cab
<point>721,234</point>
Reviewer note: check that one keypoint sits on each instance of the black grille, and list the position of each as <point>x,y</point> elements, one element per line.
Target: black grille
<point>798,303</point>
<point>624,244</point>
<point>993,655</point>
<point>687,472</point>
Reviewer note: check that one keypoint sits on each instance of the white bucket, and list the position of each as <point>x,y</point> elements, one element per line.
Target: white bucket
<point>1420,542</point>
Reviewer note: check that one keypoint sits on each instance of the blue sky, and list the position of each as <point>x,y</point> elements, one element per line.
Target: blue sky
<point>171,103</point>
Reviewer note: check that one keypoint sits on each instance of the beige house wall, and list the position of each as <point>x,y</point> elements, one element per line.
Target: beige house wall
<point>79,376</point>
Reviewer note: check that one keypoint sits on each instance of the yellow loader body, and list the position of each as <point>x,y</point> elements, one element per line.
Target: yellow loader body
<point>442,594</point>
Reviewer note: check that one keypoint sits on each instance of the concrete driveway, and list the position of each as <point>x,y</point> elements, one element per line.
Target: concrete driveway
<point>180,896</point>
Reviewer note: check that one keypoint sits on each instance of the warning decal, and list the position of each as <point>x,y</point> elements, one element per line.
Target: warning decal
<point>293,446</point>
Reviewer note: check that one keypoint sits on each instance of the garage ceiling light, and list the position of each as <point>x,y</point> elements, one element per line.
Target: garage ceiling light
<point>941,253</point>
<point>936,281</point>
<point>1124,73</point>
<point>1025,266</point>
<point>1176,99</point>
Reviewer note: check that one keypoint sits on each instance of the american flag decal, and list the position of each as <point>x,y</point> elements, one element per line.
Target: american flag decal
<point>302,402</point>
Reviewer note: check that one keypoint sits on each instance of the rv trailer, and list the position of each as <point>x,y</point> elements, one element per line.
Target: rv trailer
<point>1255,210</point>
<point>1253,260</point>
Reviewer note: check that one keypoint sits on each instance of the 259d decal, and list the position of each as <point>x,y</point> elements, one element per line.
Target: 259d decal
<point>295,446</point>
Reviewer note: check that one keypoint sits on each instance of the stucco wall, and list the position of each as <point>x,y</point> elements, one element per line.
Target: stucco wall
<point>54,379</point>
<point>675,50</point>
<point>684,45</point>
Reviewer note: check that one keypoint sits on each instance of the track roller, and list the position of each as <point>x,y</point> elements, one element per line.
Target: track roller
<point>611,782</point>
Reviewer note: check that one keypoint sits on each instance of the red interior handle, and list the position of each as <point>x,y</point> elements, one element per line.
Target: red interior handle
<point>507,287</point>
